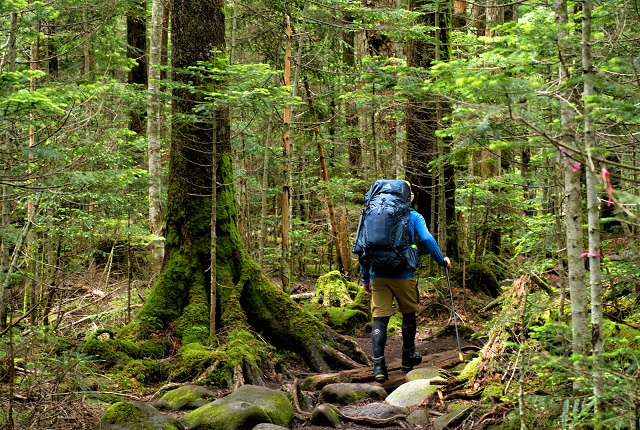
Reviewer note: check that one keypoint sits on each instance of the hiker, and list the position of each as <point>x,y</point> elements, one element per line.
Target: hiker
<point>383,285</point>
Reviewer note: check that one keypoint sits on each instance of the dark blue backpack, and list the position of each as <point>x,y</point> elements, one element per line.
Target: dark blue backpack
<point>383,238</point>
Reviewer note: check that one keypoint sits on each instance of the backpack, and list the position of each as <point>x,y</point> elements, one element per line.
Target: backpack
<point>383,239</point>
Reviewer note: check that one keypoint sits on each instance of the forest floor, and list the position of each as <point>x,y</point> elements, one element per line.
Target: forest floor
<point>435,340</point>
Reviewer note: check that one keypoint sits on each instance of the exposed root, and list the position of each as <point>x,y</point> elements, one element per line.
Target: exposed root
<point>200,379</point>
<point>238,377</point>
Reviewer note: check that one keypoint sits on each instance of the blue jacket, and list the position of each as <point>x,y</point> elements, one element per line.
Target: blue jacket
<point>417,225</point>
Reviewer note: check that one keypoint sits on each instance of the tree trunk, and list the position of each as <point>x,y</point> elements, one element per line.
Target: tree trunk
<point>179,300</point>
<point>593,214</point>
<point>285,257</point>
<point>154,135</point>
<point>573,210</point>
<point>137,51</point>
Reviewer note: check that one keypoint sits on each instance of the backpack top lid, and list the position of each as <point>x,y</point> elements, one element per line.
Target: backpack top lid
<point>397,187</point>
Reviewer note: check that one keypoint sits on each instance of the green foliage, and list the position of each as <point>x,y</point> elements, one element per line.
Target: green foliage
<point>50,368</point>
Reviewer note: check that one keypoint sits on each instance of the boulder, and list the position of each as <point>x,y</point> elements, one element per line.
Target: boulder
<point>324,415</point>
<point>419,419</point>
<point>412,393</point>
<point>374,410</point>
<point>243,409</point>
<point>456,413</point>
<point>186,397</point>
<point>433,374</point>
<point>137,416</point>
<point>267,426</point>
<point>345,393</point>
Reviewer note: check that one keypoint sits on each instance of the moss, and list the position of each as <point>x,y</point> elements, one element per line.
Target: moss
<point>395,323</point>
<point>470,371</point>
<point>147,371</point>
<point>341,319</point>
<point>118,353</point>
<point>333,289</point>
<point>104,348</point>
<point>167,300</point>
<point>492,391</point>
<point>620,335</point>
<point>246,407</point>
<point>362,302</point>
<point>155,348</point>
<point>193,324</point>
<point>194,359</point>
<point>185,397</point>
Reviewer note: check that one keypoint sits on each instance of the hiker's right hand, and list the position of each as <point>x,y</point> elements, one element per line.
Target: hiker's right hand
<point>367,288</point>
<point>447,262</point>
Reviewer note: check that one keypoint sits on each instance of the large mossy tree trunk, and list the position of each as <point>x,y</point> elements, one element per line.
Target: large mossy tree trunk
<point>247,302</point>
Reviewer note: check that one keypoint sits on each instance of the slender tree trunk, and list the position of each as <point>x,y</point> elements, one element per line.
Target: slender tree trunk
<point>343,263</point>
<point>213,292</point>
<point>573,210</point>
<point>285,258</point>
<point>31,248</point>
<point>265,188</point>
<point>593,212</point>
<point>154,135</point>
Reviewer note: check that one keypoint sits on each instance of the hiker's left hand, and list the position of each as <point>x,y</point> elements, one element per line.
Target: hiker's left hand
<point>367,288</point>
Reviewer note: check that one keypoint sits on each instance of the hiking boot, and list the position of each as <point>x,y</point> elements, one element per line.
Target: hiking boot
<point>410,358</point>
<point>380,370</point>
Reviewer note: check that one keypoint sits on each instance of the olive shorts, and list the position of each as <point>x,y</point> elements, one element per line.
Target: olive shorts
<point>384,290</point>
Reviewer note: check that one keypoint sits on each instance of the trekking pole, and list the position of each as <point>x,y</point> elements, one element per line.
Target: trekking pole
<point>453,309</point>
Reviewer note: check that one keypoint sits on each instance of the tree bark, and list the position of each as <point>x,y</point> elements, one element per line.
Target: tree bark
<point>154,134</point>
<point>593,214</point>
<point>573,210</point>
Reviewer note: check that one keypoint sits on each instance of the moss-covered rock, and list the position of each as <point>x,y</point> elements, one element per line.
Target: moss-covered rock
<point>456,412</point>
<point>137,416</point>
<point>324,415</point>
<point>434,375</point>
<point>243,409</point>
<point>482,278</point>
<point>333,289</point>
<point>185,397</point>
